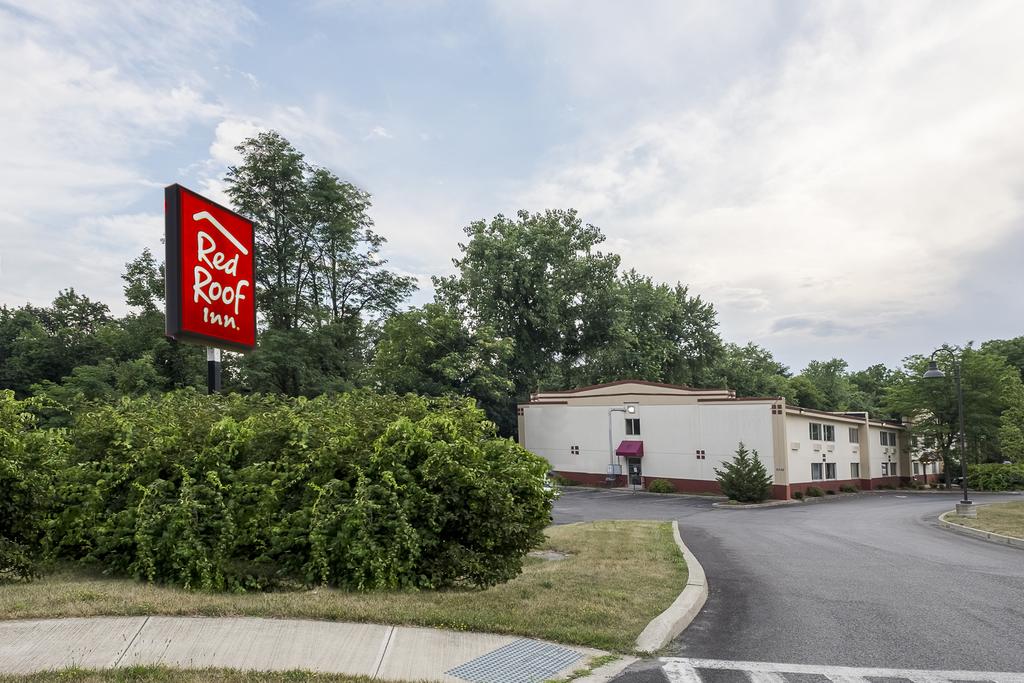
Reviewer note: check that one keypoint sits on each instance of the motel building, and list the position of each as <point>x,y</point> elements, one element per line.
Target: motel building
<point>630,432</point>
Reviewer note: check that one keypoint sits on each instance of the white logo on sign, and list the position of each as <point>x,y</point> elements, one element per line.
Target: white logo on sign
<point>203,285</point>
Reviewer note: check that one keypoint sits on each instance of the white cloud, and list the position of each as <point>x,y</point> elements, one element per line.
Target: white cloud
<point>614,51</point>
<point>849,188</point>
<point>88,91</point>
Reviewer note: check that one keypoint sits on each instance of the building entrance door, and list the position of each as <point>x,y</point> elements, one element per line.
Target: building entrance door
<point>635,472</point>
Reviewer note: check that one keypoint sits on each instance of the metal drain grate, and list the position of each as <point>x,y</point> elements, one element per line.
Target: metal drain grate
<point>522,661</point>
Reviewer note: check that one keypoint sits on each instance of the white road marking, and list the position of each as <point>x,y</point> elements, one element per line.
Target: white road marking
<point>765,677</point>
<point>680,672</point>
<point>684,670</point>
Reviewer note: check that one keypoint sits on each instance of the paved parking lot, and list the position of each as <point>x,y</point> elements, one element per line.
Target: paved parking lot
<point>863,581</point>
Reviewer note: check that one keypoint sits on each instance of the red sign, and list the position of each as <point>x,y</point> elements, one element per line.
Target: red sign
<point>211,297</point>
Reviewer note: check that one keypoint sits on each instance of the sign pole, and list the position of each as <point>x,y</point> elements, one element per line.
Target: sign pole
<point>212,370</point>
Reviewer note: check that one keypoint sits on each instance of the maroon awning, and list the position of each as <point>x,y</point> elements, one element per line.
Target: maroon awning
<point>631,449</point>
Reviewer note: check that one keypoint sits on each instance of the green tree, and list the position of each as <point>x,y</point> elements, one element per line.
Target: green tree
<point>347,274</point>
<point>144,282</point>
<point>831,382</point>
<point>318,260</point>
<point>868,389</point>
<point>269,187</point>
<point>659,333</point>
<point>991,387</point>
<point>751,370</point>
<point>539,280</point>
<point>39,344</point>
<point>745,478</point>
<point>319,273</point>
<point>1010,349</point>
<point>804,393</point>
<point>432,352</point>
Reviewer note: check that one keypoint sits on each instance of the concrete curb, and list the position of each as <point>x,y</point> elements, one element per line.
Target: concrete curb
<point>670,623</point>
<point>989,536</point>
<point>752,506</point>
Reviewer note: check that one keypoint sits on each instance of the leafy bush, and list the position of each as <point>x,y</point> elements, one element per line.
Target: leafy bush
<point>847,488</point>
<point>996,477</point>
<point>661,486</point>
<point>745,479</point>
<point>799,495</point>
<point>361,491</point>
<point>829,492</point>
<point>814,492</point>
<point>28,459</point>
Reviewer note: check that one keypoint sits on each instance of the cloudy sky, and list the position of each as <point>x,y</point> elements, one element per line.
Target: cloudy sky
<point>840,179</point>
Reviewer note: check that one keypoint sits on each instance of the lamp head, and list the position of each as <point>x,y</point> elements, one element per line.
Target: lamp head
<point>630,409</point>
<point>933,370</point>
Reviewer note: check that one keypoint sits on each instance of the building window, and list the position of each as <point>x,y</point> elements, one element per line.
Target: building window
<point>633,426</point>
<point>854,434</point>
<point>885,469</point>
<point>830,432</point>
<point>854,470</point>
<point>935,468</point>
<point>815,471</point>
<point>916,467</point>
<point>815,431</point>
<point>574,450</point>
<point>887,438</point>
<point>830,470</point>
<point>892,469</point>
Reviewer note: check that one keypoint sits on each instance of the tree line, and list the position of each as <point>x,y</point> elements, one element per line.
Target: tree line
<point>534,303</point>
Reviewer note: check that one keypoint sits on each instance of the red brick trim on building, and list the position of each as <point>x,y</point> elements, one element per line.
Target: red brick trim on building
<point>680,485</point>
<point>779,491</point>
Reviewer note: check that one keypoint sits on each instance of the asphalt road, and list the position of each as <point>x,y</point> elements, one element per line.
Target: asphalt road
<point>867,581</point>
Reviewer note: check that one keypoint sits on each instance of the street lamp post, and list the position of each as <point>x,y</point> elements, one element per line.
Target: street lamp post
<point>611,452</point>
<point>965,507</point>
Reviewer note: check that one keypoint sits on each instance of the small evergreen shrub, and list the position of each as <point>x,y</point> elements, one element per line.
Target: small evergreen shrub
<point>799,495</point>
<point>847,488</point>
<point>745,479</point>
<point>830,492</point>
<point>814,492</point>
<point>661,486</point>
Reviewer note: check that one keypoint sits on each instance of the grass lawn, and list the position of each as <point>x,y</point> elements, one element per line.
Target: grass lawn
<point>616,578</point>
<point>1000,518</point>
<point>159,674</point>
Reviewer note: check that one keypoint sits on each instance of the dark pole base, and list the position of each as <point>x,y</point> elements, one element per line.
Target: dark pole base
<point>212,377</point>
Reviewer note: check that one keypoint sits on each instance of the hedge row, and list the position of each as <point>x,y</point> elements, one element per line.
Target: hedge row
<point>362,491</point>
<point>996,477</point>
<point>29,458</point>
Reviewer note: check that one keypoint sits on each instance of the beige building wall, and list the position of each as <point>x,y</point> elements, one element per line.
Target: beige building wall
<point>803,450</point>
<point>687,433</point>
<point>672,436</point>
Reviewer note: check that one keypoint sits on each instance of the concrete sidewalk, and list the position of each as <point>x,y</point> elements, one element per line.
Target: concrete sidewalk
<point>386,652</point>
